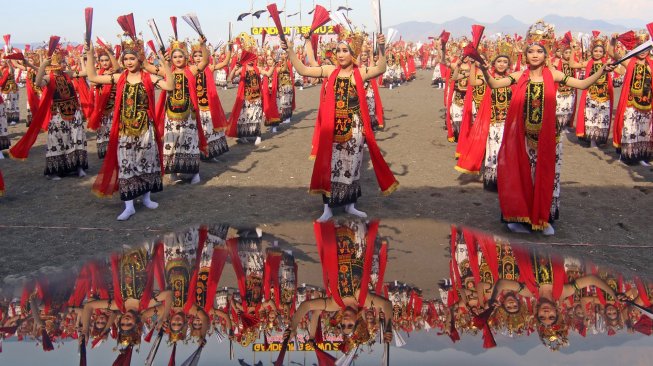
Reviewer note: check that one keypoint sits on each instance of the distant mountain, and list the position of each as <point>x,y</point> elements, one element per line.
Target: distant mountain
<point>419,31</point>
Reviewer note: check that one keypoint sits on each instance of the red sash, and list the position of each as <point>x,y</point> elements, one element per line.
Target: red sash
<point>466,122</point>
<point>325,235</point>
<point>240,100</point>
<point>106,183</point>
<point>215,106</point>
<point>269,94</point>
<point>218,261</point>
<point>521,199</point>
<point>40,120</point>
<point>580,122</point>
<point>271,277</point>
<point>623,100</point>
<point>378,104</point>
<point>321,177</point>
<point>101,99</point>
<point>32,96</point>
<point>85,96</point>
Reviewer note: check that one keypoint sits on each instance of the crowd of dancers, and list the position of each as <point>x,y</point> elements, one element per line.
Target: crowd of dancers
<point>507,101</point>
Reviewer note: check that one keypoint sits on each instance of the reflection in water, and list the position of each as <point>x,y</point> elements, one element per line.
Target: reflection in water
<point>225,293</point>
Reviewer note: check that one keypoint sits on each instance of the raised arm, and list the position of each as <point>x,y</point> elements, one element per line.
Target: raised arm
<point>303,70</point>
<point>225,62</point>
<point>233,72</point>
<point>168,83</point>
<point>381,65</point>
<point>502,82</point>
<point>582,84</point>
<point>91,73</point>
<point>42,80</point>
<point>473,80</point>
<point>205,56</point>
<point>585,281</point>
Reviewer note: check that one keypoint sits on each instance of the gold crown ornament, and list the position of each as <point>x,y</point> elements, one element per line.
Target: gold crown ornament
<point>542,34</point>
<point>177,45</point>
<point>134,47</point>
<point>195,47</point>
<point>56,59</point>
<point>247,42</point>
<point>642,36</point>
<point>354,39</point>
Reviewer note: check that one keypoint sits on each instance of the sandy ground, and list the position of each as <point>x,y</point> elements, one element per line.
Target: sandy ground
<point>605,209</point>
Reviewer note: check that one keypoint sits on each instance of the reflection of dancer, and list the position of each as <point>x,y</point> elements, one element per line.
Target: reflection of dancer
<point>345,127</point>
<point>346,252</point>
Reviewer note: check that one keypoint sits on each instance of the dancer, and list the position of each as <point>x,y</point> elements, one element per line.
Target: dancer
<point>529,162</point>
<point>105,95</point>
<point>345,127</point>
<point>132,165</point>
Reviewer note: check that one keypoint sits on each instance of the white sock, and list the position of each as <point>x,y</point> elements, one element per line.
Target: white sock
<point>274,129</point>
<point>54,177</point>
<point>593,144</point>
<point>548,231</point>
<point>326,215</point>
<point>257,141</point>
<point>147,201</point>
<point>350,209</point>
<point>196,179</point>
<point>644,163</point>
<point>80,172</point>
<point>128,212</point>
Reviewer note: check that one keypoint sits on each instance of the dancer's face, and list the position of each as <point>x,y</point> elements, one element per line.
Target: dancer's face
<point>131,63</point>
<point>105,62</point>
<point>269,61</point>
<point>598,52</point>
<point>535,55</point>
<point>127,322</point>
<point>566,55</point>
<point>501,64</point>
<point>345,58</point>
<point>176,323</point>
<point>178,59</point>
<point>348,321</point>
<point>511,304</point>
<point>197,57</point>
<point>547,314</point>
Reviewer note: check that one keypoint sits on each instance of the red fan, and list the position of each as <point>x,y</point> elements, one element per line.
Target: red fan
<point>649,27</point>
<point>320,17</point>
<point>27,48</point>
<point>117,50</point>
<point>628,39</point>
<point>471,52</point>
<point>126,22</point>
<point>7,38</point>
<point>444,37</point>
<point>263,34</point>
<point>596,33</point>
<point>247,57</point>
<point>568,37</point>
<point>88,15</point>
<point>52,46</point>
<point>274,14</point>
<point>100,41</point>
<point>15,56</point>
<point>150,44</point>
<point>477,34</point>
<point>337,28</point>
<point>173,20</point>
<point>315,40</point>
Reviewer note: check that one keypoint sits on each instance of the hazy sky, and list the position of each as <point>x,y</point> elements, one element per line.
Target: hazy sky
<point>32,21</point>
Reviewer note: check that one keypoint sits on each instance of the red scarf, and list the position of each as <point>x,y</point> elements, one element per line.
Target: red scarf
<point>32,96</point>
<point>269,95</point>
<point>271,277</point>
<point>192,91</point>
<point>521,199</point>
<point>315,141</point>
<point>325,235</point>
<point>449,90</point>
<point>378,104</point>
<point>102,95</point>
<point>580,122</point>
<point>321,177</point>
<point>218,260</point>
<point>215,106</point>
<point>106,183</point>
<point>623,100</point>
<point>240,100</point>
<point>40,120</point>
<point>3,81</point>
<point>85,96</point>
<point>465,124</point>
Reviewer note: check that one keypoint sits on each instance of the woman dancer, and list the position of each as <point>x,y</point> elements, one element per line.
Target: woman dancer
<point>132,165</point>
<point>345,127</point>
<point>105,95</point>
<point>529,161</point>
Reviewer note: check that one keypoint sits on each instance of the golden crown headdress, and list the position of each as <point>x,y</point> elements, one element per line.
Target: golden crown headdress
<point>176,44</point>
<point>543,34</point>
<point>56,59</point>
<point>505,48</point>
<point>247,42</point>
<point>353,38</point>
<point>553,337</point>
<point>195,47</point>
<point>134,47</point>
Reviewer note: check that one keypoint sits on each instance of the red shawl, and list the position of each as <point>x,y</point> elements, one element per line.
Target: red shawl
<point>521,199</point>
<point>378,104</point>
<point>321,177</point>
<point>106,182</point>
<point>580,122</point>
<point>85,96</point>
<point>240,100</point>
<point>448,99</point>
<point>271,277</point>
<point>192,91</point>
<point>524,261</point>
<point>325,235</point>
<point>101,99</point>
<point>269,95</point>
<point>40,120</point>
<point>465,124</point>
<point>623,100</point>
<point>3,81</point>
<point>32,96</point>
<point>470,155</point>
<point>218,260</point>
<point>215,106</point>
